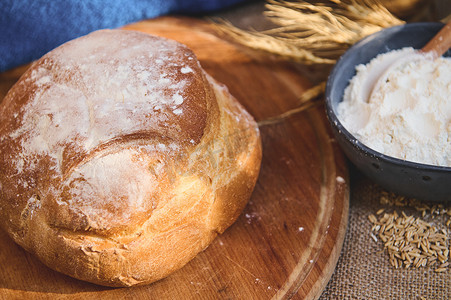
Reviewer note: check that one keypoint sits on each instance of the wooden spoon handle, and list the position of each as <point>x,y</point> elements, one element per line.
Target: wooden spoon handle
<point>440,43</point>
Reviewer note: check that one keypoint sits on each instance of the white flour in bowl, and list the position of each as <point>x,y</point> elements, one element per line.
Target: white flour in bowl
<point>409,117</point>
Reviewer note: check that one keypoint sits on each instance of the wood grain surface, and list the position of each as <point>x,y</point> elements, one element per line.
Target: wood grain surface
<point>286,242</point>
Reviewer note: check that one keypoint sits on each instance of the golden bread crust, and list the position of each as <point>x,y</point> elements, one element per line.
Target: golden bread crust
<point>122,159</point>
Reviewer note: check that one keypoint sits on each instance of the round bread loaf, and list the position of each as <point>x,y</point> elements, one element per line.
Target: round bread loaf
<point>121,159</point>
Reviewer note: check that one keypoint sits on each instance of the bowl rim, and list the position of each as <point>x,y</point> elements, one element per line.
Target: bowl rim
<point>335,121</point>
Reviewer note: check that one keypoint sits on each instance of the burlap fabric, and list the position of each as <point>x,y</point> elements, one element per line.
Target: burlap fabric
<point>363,272</point>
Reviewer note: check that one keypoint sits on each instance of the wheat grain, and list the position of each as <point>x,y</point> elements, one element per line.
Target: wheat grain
<point>411,241</point>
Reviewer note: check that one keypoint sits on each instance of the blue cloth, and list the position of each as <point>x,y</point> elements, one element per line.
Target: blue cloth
<point>31,28</point>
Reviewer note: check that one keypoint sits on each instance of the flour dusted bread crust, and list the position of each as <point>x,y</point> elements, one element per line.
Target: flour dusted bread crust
<point>121,159</point>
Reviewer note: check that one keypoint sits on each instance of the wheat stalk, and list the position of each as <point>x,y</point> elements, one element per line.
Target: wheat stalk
<point>315,32</point>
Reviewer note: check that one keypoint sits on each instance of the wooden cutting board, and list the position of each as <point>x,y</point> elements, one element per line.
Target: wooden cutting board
<point>287,241</point>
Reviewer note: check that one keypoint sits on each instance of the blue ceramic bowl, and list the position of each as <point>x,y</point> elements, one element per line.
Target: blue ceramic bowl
<point>420,181</point>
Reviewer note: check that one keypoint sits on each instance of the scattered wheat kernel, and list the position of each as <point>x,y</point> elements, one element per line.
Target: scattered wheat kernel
<point>440,270</point>
<point>441,258</point>
<point>424,262</point>
<point>372,218</point>
<point>373,237</point>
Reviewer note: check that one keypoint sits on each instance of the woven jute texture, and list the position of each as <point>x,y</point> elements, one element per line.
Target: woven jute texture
<point>364,272</point>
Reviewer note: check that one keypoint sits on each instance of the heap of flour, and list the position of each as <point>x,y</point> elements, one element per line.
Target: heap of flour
<point>409,117</point>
